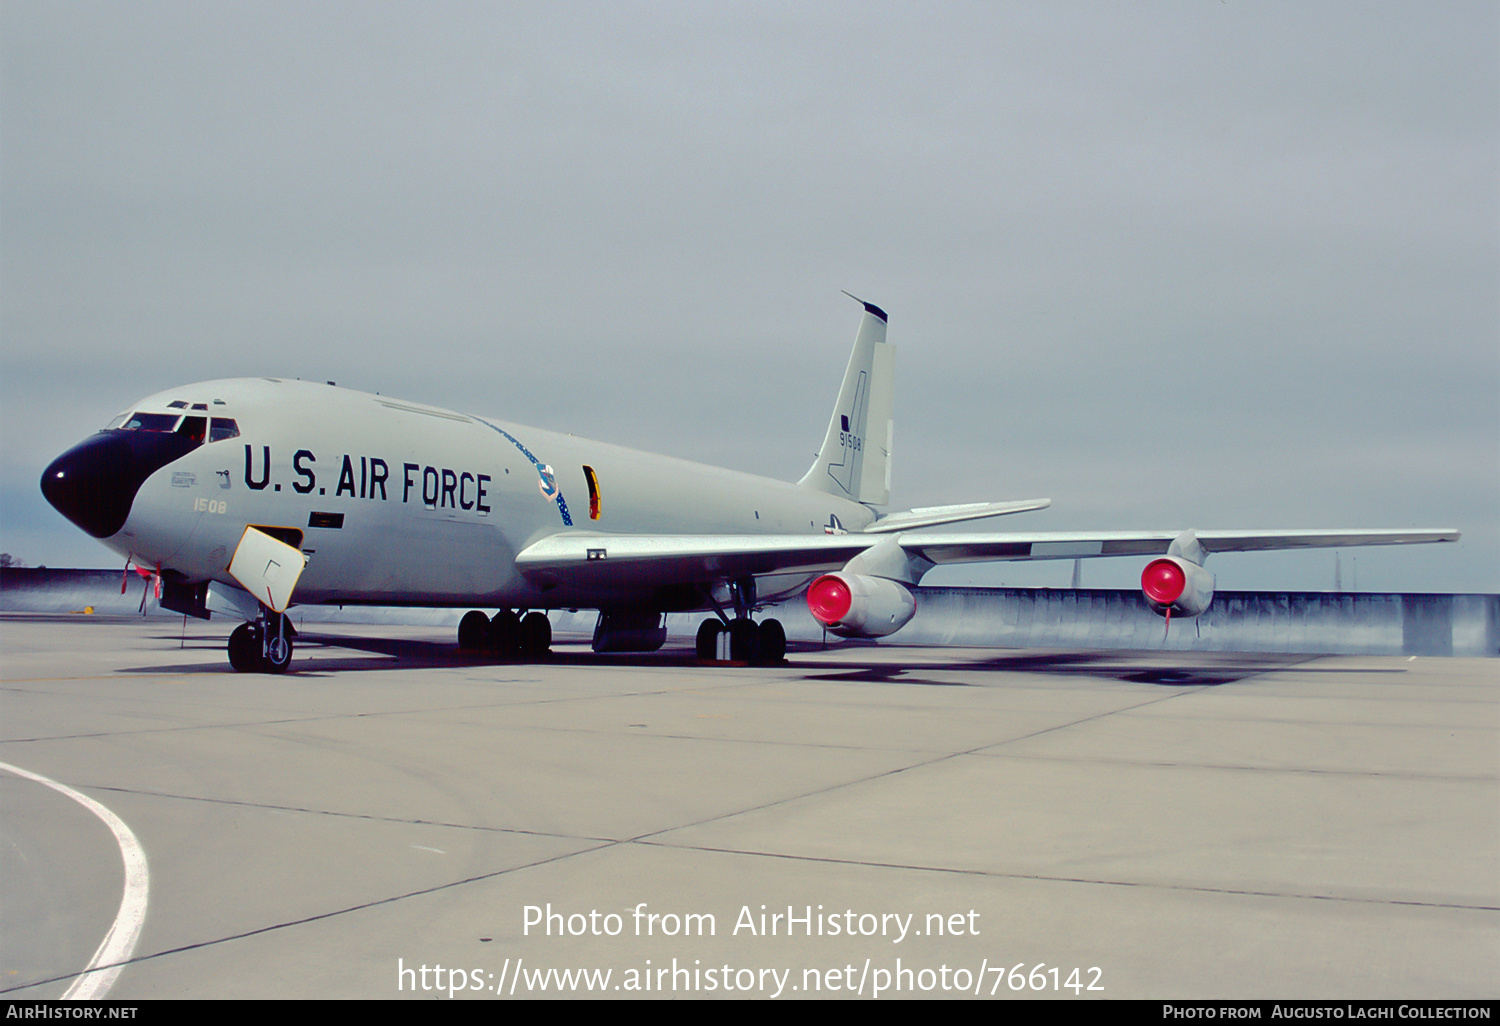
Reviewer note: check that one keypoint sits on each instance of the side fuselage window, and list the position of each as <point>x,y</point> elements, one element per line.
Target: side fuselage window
<point>221,428</point>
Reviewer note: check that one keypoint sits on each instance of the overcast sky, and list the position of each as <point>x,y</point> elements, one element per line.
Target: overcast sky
<point>1172,265</point>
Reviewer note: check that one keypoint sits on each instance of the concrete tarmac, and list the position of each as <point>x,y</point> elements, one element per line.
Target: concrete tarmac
<point>867,818</point>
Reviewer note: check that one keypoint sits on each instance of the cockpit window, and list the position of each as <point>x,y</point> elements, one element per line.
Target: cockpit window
<point>150,422</point>
<point>193,427</point>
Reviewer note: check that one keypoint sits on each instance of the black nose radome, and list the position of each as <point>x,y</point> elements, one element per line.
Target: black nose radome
<point>94,483</point>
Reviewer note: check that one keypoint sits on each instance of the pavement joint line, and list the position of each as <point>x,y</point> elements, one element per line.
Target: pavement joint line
<point>328,716</point>
<point>1329,724</point>
<point>532,728</point>
<point>1243,769</point>
<point>1178,692</point>
<point>1048,878</point>
<point>272,807</point>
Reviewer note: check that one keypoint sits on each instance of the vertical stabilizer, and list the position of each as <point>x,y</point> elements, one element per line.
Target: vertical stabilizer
<point>855,460</point>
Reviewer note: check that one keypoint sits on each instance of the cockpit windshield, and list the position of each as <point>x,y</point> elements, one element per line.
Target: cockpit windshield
<point>151,422</point>
<point>195,427</point>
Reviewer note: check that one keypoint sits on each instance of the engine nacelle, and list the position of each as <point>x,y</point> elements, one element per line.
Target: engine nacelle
<point>1177,584</point>
<point>858,606</point>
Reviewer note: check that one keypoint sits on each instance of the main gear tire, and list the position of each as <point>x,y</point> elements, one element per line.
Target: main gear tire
<point>536,635</point>
<point>505,634</point>
<point>708,639</point>
<point>772,643</point>
<point>474,631</point>
<point>744,642</point>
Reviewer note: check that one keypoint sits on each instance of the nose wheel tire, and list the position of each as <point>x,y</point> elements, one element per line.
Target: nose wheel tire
<point>278,655</point>
<point>250,651</point>
<point>244,648</point>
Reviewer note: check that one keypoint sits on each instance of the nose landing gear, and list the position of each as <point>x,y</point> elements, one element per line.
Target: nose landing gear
<point>263,645</point>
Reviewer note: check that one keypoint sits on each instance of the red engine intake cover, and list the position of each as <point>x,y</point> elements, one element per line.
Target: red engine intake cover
<point>1163,581</point>
<point>829,599</point>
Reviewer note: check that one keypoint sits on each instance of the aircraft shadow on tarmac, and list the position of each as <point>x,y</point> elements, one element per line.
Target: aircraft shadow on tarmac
<point>1179,669</point>
<point>344,654</point>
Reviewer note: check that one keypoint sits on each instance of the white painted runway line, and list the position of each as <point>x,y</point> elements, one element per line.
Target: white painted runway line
<point>118,944</point>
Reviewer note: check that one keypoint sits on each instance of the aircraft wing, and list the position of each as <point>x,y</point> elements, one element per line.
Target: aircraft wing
<point>968,548</point>
<point>597,560</point>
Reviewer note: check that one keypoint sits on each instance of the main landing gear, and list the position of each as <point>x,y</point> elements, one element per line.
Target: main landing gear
<point>263,645</point>
<point>506,634</point>
<point>757,644</point>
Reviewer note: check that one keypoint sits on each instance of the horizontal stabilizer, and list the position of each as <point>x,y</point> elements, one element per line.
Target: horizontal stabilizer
<point>932,516</point>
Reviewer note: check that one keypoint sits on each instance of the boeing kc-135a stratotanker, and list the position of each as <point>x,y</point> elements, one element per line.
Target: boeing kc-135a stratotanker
<point>245,496</point>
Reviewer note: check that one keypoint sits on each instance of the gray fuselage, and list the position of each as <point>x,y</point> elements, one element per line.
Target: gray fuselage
<point>404,504</point>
